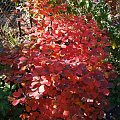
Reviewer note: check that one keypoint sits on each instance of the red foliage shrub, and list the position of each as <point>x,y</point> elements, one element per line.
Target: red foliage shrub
<point>61,69</point>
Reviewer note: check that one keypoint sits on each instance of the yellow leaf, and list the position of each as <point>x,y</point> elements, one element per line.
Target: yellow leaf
<point>114,45</point>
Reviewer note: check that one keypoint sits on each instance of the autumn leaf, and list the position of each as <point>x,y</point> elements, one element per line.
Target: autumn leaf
<point>15,102</point>
<point>16,94</point>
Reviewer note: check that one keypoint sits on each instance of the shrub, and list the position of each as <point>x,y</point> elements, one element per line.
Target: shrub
<point>61,72</point>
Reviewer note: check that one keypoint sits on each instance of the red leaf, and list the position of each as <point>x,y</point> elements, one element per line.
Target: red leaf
<point>66,113</point>
<point>20,90</point>
<point>101,115</point>
<point>15,102</point>
<point>16,94</point>
<point>97,83</point>
<point>28,108</point>
<point>22,59</point>
<point>22,100</point>
<point>94,94</point>
<point>106,92</point>
<point>34,107</point>
<point>41,89</point>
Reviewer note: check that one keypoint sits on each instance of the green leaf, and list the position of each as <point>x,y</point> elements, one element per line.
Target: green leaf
<point>82,3</point>
<point>90,6</point>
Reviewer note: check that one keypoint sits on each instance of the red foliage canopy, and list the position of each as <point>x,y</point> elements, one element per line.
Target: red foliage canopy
<point>61,68</point>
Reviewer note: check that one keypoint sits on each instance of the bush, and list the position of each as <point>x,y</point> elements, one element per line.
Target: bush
<point>61,72</point>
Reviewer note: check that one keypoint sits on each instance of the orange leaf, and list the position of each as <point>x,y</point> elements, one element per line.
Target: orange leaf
<point>28,108</point>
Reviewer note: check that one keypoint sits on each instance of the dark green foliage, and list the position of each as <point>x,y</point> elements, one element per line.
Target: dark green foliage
<point>7,111</point>
<point>4,104</point>
<point>115,92</point>
<point>114,33</point>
